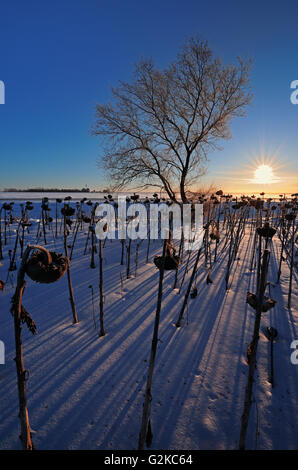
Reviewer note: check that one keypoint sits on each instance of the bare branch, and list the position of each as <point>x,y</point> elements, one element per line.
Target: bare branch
<point>162,124</point>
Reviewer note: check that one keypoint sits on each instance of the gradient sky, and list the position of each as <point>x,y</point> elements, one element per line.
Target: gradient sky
<point>58,58</point>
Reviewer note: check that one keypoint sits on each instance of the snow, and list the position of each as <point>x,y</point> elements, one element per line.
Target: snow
<point>87,392</point>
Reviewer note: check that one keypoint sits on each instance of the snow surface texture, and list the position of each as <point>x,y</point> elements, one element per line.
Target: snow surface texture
<point>87,392</point>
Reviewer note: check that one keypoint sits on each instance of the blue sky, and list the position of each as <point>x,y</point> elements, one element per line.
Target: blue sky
<point>59,58</point>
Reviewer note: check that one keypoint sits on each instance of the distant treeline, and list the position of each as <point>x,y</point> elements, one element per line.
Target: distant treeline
<point>46,190</point>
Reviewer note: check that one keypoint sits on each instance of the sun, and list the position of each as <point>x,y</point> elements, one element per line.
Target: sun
<point>265,170</point>
<point>264,175</point>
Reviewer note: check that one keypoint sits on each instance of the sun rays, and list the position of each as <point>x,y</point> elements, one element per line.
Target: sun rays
<point>257,170</point>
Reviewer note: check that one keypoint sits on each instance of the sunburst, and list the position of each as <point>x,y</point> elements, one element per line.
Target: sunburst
<point>264,170</point>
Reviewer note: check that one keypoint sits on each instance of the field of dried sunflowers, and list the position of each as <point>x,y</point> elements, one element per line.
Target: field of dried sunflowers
<point>140,344</point>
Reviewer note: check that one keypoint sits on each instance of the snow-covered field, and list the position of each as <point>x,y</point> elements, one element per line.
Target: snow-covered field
<point>87,392</point>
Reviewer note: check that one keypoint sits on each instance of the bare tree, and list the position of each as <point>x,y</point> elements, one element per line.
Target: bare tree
<point>160,127</point>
